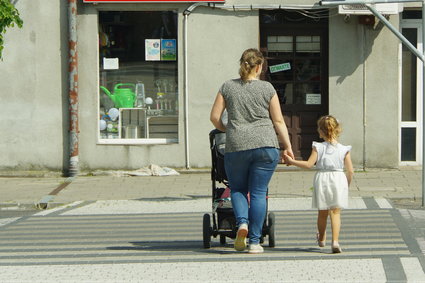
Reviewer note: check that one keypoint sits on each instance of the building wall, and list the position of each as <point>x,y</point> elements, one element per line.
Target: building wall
<point>382,98</point>
<point>213,58</point>
<point>34,116</point>
<point>33,81</point>
<point>363,87</point>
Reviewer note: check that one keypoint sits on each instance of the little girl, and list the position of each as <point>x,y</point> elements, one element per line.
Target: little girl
<point>330,183</point>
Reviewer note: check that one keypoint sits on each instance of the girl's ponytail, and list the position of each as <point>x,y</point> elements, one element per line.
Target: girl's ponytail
<point>329,127</point>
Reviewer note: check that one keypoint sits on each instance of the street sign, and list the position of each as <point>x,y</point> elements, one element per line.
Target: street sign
<point>280,67</point>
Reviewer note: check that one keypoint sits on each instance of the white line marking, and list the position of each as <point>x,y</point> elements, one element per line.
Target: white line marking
<point>413,269</point>
<point>5,221</point>
<point>49,211</point>
<point>383,203</point>
<point>102,207</point>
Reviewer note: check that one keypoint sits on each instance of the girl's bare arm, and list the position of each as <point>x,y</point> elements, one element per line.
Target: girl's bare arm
<point>303,164</point>
<point>349,171</point>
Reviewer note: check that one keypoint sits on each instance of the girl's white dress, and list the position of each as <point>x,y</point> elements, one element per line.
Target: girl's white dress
<point>330,183</point>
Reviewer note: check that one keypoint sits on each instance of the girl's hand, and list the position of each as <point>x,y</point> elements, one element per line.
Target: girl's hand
<point>287,159</point>
<point>287,156</point>
<point>289,153</point>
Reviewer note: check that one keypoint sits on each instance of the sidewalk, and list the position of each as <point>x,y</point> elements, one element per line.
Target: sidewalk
<point>403,186</point>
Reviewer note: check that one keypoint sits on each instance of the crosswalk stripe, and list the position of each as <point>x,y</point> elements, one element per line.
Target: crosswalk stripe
<point>139,237</point>
<point>104,207</point>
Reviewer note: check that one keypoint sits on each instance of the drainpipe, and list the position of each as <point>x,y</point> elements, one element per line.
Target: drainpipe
<point>364,100</point>
<point>186,98</point>
<point>186,13</point>
<point>73,88</point>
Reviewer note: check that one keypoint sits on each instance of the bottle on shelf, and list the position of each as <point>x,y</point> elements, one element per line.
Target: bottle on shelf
<point>140,95</point>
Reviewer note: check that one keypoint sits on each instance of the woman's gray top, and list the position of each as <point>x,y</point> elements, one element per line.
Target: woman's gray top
<point>249,124</point>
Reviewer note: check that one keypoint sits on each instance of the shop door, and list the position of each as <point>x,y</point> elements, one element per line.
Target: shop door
<point>296,51</point>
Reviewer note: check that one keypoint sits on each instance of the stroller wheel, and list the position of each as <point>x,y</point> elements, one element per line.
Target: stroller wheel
<point>207,231</point>
<point>271,226</point>
<point>222,239</point>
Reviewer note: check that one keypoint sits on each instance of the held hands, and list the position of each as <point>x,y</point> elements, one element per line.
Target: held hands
<point>287,156</point>
<point>288,159</point>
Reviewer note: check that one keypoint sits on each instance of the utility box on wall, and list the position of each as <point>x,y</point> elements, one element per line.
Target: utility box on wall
<point>361,9</point>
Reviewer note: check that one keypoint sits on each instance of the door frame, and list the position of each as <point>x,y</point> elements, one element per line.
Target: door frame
<point>302,29</point>
<point>416,24</point>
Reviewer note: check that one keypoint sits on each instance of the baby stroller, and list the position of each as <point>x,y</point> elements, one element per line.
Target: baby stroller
<point>223,218</point>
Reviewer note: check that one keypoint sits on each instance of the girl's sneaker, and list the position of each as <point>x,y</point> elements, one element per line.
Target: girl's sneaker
<point>240,242</point>
<point>336,249</point>
<point>255,249</point>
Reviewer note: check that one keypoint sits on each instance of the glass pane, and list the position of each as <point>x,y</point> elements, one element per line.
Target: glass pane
<point>408,144</point>
<point>284,38</point>
<point>411,14</point>
<point>279,43</point>
<point>307,69</point>
<point>138,75</point>
<point>280,47</point>
<point>282,91</point>
<point>305,93</point>
<point>308,44</point>
<point>271,38</point>
<point>409,74</point>
<point>285,73</point>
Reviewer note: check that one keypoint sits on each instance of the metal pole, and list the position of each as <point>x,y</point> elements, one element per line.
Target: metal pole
<point>423,105</point>
<point>186,94</point>
<point>73,87</point>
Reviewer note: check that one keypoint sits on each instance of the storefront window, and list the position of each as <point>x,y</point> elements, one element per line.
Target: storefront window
<point>138,92</point>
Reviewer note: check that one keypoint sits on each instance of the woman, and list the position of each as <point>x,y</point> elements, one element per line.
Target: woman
<point>252,147</point>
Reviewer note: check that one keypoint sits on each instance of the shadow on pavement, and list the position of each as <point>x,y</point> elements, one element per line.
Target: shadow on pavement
<point>196,246</point>
<point>407,203</point>
<point>161,246</point>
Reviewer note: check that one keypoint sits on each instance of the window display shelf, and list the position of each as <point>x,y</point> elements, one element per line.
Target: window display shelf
<point>139,123</point>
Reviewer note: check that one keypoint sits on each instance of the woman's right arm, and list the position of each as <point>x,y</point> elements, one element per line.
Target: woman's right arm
<point>216,112</point>
<point>280,126</point>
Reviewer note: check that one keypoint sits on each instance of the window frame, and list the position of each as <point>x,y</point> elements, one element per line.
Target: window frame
<point>139,141</point>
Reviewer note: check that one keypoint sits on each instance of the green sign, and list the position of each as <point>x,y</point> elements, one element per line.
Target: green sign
<point>280,67</point>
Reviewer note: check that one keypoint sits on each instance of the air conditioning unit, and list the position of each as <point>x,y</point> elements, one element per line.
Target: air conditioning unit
<point>361,9</point>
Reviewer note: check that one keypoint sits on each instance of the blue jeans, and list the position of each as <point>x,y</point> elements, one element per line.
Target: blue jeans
<point>250,171</point>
